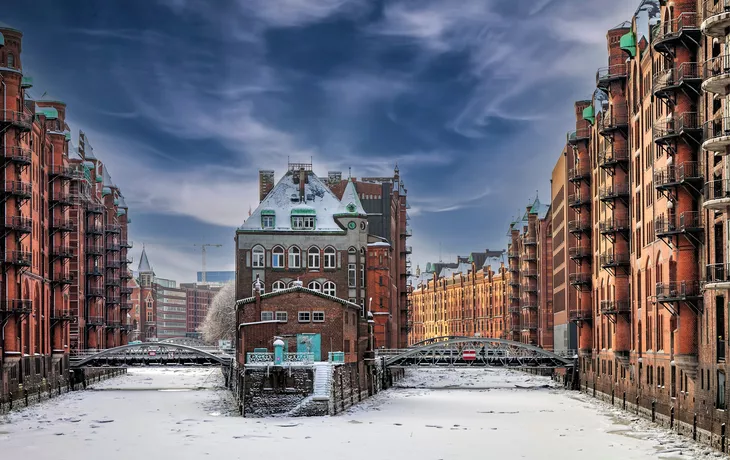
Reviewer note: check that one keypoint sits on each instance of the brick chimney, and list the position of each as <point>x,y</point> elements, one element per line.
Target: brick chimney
<point>302,179</point>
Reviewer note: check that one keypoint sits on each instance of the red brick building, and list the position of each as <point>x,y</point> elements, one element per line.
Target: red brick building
<point>199,297</point>
<point>381,290</point>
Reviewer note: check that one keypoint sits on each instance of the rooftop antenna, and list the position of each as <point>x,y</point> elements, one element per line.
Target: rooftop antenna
<point>349,172</point>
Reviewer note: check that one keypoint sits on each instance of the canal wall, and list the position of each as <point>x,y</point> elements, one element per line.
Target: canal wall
<point>39,390</point>
<point>306,391</point>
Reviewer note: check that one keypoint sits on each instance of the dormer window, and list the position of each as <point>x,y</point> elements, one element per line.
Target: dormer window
<point>302,222</point>
<point>268,219</point>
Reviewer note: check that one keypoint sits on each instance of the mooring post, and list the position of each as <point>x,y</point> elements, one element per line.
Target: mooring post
<point>671,418</point>
<point>624,400</point>
<point>637,404</point>
<point>25,395</point>
<point>612,396</point>
<point>694,427</point>
<point>653,410</point>
<point>722,438</point>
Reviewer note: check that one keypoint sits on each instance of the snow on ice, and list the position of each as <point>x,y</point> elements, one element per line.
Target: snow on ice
<point>435,414</point>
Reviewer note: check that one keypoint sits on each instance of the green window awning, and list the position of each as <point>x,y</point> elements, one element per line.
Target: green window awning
<point>106,191</point>
<point>303,212</point>
<point>26,82</point>
<point>268,212</point>
<point>589,114</point>
<point>628,43</point>
<point>49,112</point>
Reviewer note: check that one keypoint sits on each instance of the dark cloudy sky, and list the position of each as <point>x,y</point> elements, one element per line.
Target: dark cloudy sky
<point>185,100</point>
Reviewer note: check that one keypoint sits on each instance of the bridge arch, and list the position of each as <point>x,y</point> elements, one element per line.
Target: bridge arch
<point>158,347</point>
<point>189,341</point>
<point>488,352</point>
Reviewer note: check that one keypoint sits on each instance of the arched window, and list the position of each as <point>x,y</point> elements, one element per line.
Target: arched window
<point>278,286</point>
<point>330,257</point>
<point>11,60</point>
<point>257,257</point>
<point>290,284</point>
<point>330,288</point>
<point>313,257</point>
<point>295,257</point>
<point>277,257</point>
<point>315,286</point>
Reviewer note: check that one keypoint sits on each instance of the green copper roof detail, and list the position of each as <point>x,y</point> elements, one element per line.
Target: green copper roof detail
<point>628,43</point>
<point>116,201</point>
<point>303,212</point>
<point>49,112</point>
<point>26,82</point>
<point>589,114</point>
<point>121,212</point>
<point>2,39</point>
<point>99,179</point>
<point>268,212</point>
<point>106,191</point>
<point>67,135</point>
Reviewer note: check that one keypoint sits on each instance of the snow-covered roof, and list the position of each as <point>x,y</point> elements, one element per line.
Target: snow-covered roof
<point>350,204</point>
<point>379,244</point>
<point>463,268</point>
<point>283,200</point>
<point>107,178</point>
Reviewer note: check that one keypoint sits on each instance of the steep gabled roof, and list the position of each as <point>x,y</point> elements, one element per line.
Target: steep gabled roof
<point>284,198</point>
<point>350,204</point>
<point>144,263</point>
<point>302,289</point>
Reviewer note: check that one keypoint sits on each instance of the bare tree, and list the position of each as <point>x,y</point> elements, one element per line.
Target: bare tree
<point>220,322</point>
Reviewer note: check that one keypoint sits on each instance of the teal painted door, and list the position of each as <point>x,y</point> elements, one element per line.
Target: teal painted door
<point>310,343</point>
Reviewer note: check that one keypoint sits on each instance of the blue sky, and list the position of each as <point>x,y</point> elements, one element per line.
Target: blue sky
<point>185,100</point>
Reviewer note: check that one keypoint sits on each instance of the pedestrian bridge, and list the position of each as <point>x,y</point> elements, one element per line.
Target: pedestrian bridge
<point>151,353</point>
<point>474,352</point>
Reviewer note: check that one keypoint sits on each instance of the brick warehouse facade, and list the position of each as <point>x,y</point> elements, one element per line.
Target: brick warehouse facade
<point>49,188</point>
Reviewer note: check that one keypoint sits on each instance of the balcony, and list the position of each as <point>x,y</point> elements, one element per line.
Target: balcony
<point>62,277</point>
<point>717,195</point>
<point>612,122</point>
<point>615,307</point>
<point>685,125</point>
<point>63,198</point>
<point>717,18</point>
<point>18,258</point>
<point>94,292</point>
<point>113,264</point>
<point>580,315</point>
<point>579,135</point>
<point>127,244</point>
<point>18,155</point>
<point>580,279</point>
<point>93,208</point>
<point>125,306</point>
<point>580,226</point>
<point>684,29</point>
<point>689,172</point>
<point>126,290</point>
<point>126,275</point>
<point>579,253</point>
<point>94,250</point>
<point>514,309</point>
<point>615,260</point>
<point>614,192</point>
<point>687,222</point>
<point>112,281</point>
<point>611,157</point>
<point>717,75</point>
<point>513,255</point>
<point>16,306</point>
<point>61,315</point>
<point>113,300</point>
<point>529,241</point>
<point>528,326</point>
<point>577,200</point>
<point>687,76</point>
<point>530,257</point>
<point>514,270</point>
<point>717,135</point>
<point>62,252</point>
<point>514,282</point>
<point>407,250</point>
<point>527,305</point>
<point>19,224</point>
<point>607,75</point>
<point>615,225</point>
<point>19,190</point>
<point>93,321</point>
<point>529,273</point>
<point>94,229</point>
<point>579,174</point>
<point>678,291</point>
<point>530,288</point>
<point>20,120</point>
<point>63,225</point>
<point>94,272</point>
<point>60,171</point>
<point>113,229</point>
<point>113,324</point>
<point>718,276</point>
<point>408,232</point>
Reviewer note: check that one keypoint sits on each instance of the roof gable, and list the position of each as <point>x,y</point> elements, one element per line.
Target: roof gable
<point>350,204</point>
<point>346,303</point>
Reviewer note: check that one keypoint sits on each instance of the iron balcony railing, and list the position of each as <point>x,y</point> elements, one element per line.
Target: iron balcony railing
<point>64,252</point>
<point>22,120</point>
<point>578,174</point>
<point>18,155</point>
<point>94,271</point>
<point>113,324</point>
<point>577,279</point>
<point>605,75</point>
<point>19,224</point>
<point>94,292</point>
<point>19,258</point>
<point>514,309</point>
<point>94,229</point>
<point>674,175</point>
<point>19,189</point>
<point>615,225</point>
<point>688,221</point>
<point>94,320</point>
<point>678,290</point>
<point>16,306</point>
<point>113,264</point>
<point>93,208</point>
<point>611,192</point>
<point>62,197</point>
<point>127,244</point>
<point>528,325</point>
<point>529,273</point>
<point>579,135</point>
<point>612,121</point>
<point>125,305</point>
<point>611,156</point>
<point>612,307</point>
<point>577,199</point>
<point>670,79</point>
<point>113,228</point>
<point>267,358</point>
<point>514,297</point>
<point>679,124</point>
<point>529,241</point>
<point>64,172</point>
<point>61,314</point>
<point>530,288</point>
<point>718,273</point>
<point>579,253</point>
<point>513,282</point>
<point>615,259</point>
<point>62,277</point>
<point>112,280</point>
<point>114,247</point>
<point>673,29</point>
<point>113,300</point>
<point>64,225</point>
<point>94,250</point>
<point>579,225</point>
<point>580,315</point>
<point>529,257</point>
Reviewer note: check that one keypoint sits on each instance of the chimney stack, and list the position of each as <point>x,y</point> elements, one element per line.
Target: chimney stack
<point>302,179</point>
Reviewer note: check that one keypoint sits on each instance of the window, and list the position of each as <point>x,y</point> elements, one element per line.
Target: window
<point>304,316</point>
<point>149,316</point>
<point>318,316</point>
<point>268,221</point>
<point>302,222</point>
<point>278,286</point>
<point>267,316</point>
<point>330,258</point>
<point>313,257</point>
<point>295,257</point>
<point>282,316</point>
<point>11,60</point>
<point>330,288</point>
<point>351,275</point>
<point>257,257</point>
<point>277,257</point>
<point>315,286</point>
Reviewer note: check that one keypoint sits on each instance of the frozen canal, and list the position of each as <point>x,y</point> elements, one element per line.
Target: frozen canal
<point>184,414</point>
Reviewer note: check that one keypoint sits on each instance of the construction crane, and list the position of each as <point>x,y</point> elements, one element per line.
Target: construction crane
<point>203,246</point>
